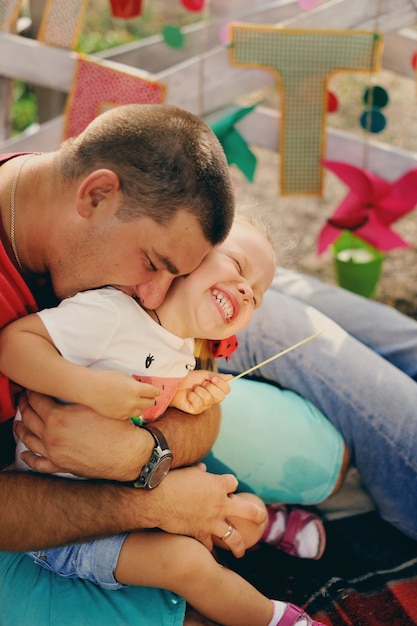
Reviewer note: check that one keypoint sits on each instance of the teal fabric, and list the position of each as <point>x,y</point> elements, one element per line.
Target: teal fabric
<point>33,596</point>
<point>279,445</point>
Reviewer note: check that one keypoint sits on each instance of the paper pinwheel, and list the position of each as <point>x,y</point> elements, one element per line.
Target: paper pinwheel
<point>234,145</point>
<point>370,207</point>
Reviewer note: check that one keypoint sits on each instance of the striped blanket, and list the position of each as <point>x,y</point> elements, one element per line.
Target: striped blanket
<point>367,576</point>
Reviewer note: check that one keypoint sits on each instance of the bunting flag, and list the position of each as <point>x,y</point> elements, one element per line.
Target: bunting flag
<point>234,145</point>
<point>126,9</point>
<point>371,206</point>
<point>193,5</point>
<point>303,61</point>
<point>9,12</point>
<point>62,22</point>
<point>100,85</point>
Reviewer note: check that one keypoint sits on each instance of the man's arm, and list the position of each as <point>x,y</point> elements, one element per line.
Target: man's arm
<point>72,438</point>
<point>190,437</point>
<point>46,511</point>
<point>49,511</point>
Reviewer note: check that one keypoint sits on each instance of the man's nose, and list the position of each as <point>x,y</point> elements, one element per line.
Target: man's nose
<point>152,293</point>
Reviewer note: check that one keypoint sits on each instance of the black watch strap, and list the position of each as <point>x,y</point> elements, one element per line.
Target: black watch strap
<point>159,438</point>
<point>158,466</point>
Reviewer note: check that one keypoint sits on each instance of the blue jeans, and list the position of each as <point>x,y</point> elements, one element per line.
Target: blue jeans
<point>361,373</point>
<point>94,560</point>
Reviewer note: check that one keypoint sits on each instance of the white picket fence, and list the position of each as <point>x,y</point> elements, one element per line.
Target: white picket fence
<point>204,61</point>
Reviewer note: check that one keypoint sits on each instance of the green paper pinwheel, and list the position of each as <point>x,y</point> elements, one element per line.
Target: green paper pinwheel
<point>234,145</point>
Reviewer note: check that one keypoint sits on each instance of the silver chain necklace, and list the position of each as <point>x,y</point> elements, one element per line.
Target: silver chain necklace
<point>13,209</point>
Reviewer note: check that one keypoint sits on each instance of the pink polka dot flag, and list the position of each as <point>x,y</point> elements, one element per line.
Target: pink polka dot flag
<point>100,85</point>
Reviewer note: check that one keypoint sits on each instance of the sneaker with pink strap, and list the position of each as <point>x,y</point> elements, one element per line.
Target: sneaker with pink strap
<point>295,531</point>
<point>295,616</point>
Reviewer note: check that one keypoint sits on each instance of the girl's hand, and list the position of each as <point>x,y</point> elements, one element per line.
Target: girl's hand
<point>120,396</point>
<point>200,390</point>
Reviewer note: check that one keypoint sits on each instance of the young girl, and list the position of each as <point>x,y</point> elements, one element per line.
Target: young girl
<point>101,349</point>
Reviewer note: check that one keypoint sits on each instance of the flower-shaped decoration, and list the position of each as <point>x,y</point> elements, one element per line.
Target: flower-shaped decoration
<point>370,207</point>
<point>224,348</point>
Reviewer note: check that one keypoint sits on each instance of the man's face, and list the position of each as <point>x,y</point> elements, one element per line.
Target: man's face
<point>141,257</point>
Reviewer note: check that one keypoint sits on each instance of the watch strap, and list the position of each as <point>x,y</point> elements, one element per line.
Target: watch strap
<point>161,455</point>
<point>156,434</point>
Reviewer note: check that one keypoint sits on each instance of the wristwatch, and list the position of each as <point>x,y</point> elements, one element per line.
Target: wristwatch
<point>158,466</point>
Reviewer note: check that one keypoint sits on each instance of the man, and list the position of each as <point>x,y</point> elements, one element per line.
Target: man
<point>136,200</point>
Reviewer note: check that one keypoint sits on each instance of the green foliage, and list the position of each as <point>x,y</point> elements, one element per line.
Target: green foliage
<point>102,31</point>
<point>25,107</point>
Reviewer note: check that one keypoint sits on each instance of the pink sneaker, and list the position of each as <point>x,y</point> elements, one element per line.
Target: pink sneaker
<point>294,615</point>
<point>296,520</point>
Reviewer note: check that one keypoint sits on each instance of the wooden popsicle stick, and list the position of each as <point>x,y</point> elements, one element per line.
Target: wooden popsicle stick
<point>276,356</point>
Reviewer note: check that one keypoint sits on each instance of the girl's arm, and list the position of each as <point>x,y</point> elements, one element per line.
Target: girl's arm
<point>29,358</point>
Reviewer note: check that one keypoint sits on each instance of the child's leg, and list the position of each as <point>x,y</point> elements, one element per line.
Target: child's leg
<point>186,567</point>
<point>292,530</point>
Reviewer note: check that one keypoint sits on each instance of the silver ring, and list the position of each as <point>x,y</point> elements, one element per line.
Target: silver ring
<point>227,533</point>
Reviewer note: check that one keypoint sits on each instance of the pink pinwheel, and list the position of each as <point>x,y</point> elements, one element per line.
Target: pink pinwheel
<point>370,207</point>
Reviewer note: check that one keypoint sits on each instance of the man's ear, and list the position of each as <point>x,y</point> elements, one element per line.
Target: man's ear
<point>100,185</point>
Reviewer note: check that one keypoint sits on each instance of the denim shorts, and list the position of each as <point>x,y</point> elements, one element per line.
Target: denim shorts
<point>95,561</point>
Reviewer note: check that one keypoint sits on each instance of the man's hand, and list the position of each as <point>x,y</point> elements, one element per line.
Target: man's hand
<point>73,438</point>
<point>202,503</point>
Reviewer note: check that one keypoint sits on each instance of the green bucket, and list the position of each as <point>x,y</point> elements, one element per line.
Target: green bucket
<point>357,264</point>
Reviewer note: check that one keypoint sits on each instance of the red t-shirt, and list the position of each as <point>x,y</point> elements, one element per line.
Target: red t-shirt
<point>18,297</point>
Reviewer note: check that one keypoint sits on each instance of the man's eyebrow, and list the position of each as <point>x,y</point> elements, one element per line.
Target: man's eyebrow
<point>172,269</point>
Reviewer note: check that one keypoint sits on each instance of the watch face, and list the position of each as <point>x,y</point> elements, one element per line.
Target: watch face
<point>160,471</point>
